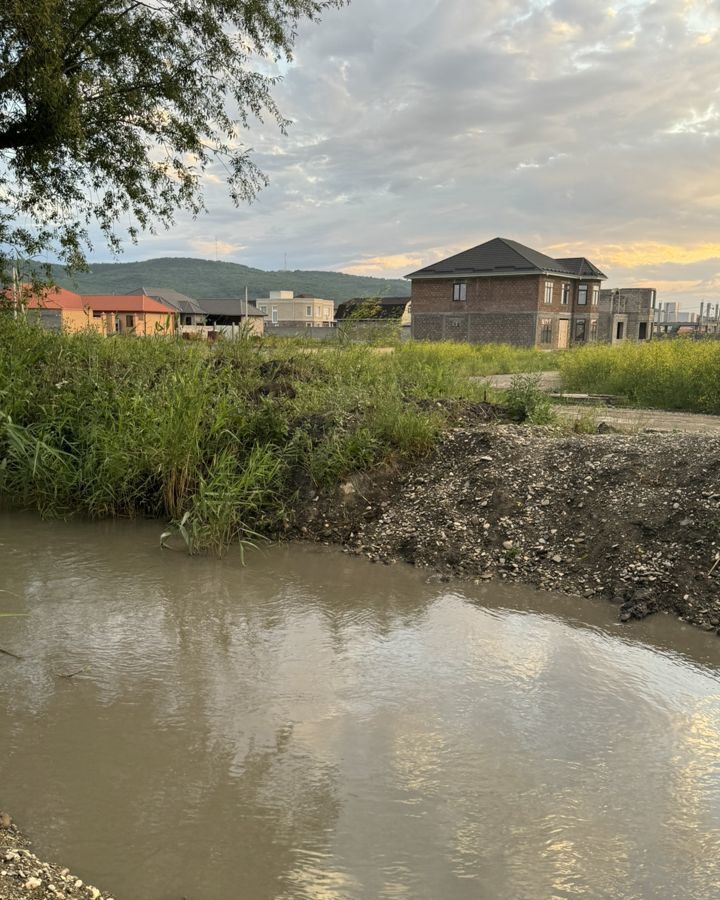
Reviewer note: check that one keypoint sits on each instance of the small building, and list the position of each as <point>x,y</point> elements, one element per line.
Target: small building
<point>190,315</point>
<point>504,292</point>
<point>131,314</point>
<point>284,308</point>
<point>627,314</point>
<point>59,309</point>
<point>229,316</point>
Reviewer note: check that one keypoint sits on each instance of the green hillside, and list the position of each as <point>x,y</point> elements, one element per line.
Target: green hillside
<point>204,278</point>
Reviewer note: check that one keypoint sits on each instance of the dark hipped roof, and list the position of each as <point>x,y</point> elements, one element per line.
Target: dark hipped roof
<point>230,307</point>
<point>178,301</point>
<point>390,307</point>
<point>578,265</point>
<point>501,256</point>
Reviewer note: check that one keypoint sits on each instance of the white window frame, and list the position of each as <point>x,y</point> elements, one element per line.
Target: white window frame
<point>565,295</point>
<point>549,292</point>
<point>308,311</point>
<point>582,295</point>
<point>595,294</point>
<point>274,315</point>
<point>263,308</point>
<point>460,292</point>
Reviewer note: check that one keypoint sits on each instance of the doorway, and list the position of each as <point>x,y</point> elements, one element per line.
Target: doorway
<point>563,333</point>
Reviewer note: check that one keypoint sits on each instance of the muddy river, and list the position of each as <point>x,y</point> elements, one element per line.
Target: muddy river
<point>314,726</point>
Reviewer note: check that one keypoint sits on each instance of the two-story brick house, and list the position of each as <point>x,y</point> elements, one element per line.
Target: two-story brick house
<point>502,291</point>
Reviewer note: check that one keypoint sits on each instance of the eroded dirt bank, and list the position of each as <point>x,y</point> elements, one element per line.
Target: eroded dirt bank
<point>632,518</point>
<point>24,877</point>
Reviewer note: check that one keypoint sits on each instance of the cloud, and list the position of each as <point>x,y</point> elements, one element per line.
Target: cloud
<point>385,266</point>
<point>424,125</point>
<point>222,248</point>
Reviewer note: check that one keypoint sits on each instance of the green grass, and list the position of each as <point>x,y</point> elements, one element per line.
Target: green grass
<point>677,374</point>
<point>219,440</point>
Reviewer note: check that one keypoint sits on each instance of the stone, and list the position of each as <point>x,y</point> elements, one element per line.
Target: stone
<point>32,884</point>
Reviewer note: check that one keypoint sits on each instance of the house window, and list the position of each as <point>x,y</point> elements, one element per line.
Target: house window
<point>129,321</point>
<point>546,331</point>
<point>460,291</point>
<point>97,315</point>
<point>565,299</point>
<point>188,320</point>
<point>593,330</point>
<point>620,330</point>
<point>582,295</point>
<point>642,331</point>
<point>548,291</point>
<point>262,308</point>
<point>595,294</point>
<point>274,315</point>
<point>308,312</point>
<point>580,326</point>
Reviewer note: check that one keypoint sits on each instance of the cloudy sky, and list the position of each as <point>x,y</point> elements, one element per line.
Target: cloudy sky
<point>423,127</point>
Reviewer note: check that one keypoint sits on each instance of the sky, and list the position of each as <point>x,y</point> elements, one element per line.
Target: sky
<point>424,127</point>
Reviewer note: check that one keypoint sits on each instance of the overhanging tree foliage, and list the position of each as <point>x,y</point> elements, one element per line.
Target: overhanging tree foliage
<point>110,110</point>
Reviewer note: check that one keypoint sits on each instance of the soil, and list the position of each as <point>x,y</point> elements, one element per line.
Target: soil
<point>24,877</point>
<point>633,518</point>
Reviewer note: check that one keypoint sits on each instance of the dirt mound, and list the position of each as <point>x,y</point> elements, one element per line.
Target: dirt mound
<point>633,518</point>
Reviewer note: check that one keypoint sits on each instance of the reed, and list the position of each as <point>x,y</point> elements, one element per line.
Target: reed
<point>221,440</point>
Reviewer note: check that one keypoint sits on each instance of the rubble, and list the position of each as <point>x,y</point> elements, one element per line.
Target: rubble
<point>634,518</point>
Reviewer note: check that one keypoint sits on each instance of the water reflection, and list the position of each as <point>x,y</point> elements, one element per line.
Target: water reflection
<point>316,727</point>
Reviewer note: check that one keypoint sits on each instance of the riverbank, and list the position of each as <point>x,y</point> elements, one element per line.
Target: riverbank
<point>218,440</point>
<point>24,876</point>
<point>634,519</point>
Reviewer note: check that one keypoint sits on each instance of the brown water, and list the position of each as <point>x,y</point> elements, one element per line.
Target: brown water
<point>313,726</point>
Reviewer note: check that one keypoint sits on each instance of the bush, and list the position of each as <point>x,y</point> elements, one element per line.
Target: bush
<point>526,402</point>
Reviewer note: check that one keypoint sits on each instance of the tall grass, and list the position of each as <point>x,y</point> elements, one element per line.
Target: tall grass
<point>677,374</point>
<point>220,440</point>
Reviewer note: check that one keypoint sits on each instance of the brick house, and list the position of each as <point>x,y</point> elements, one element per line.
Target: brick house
<point>502,291</point>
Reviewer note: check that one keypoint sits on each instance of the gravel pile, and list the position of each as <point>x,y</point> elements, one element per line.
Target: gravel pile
<point>24,877</point>
<point>632,518</point>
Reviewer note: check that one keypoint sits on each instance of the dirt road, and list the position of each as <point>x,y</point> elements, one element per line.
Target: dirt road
<point>622,418</point>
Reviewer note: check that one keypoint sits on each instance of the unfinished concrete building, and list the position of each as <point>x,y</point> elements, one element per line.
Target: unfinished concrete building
<point>626,314</point>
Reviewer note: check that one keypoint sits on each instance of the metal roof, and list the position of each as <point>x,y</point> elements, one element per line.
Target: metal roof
<point>178,301</point>
<point>502,256</point>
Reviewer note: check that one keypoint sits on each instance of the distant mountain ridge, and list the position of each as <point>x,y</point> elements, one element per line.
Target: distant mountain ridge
<point>200,278</point>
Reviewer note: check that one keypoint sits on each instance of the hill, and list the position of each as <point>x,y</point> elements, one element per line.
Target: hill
<point>204,278</point>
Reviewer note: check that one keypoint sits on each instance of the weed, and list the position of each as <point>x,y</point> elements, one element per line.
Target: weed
<point>527,402</point>
<point>677,374</point>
